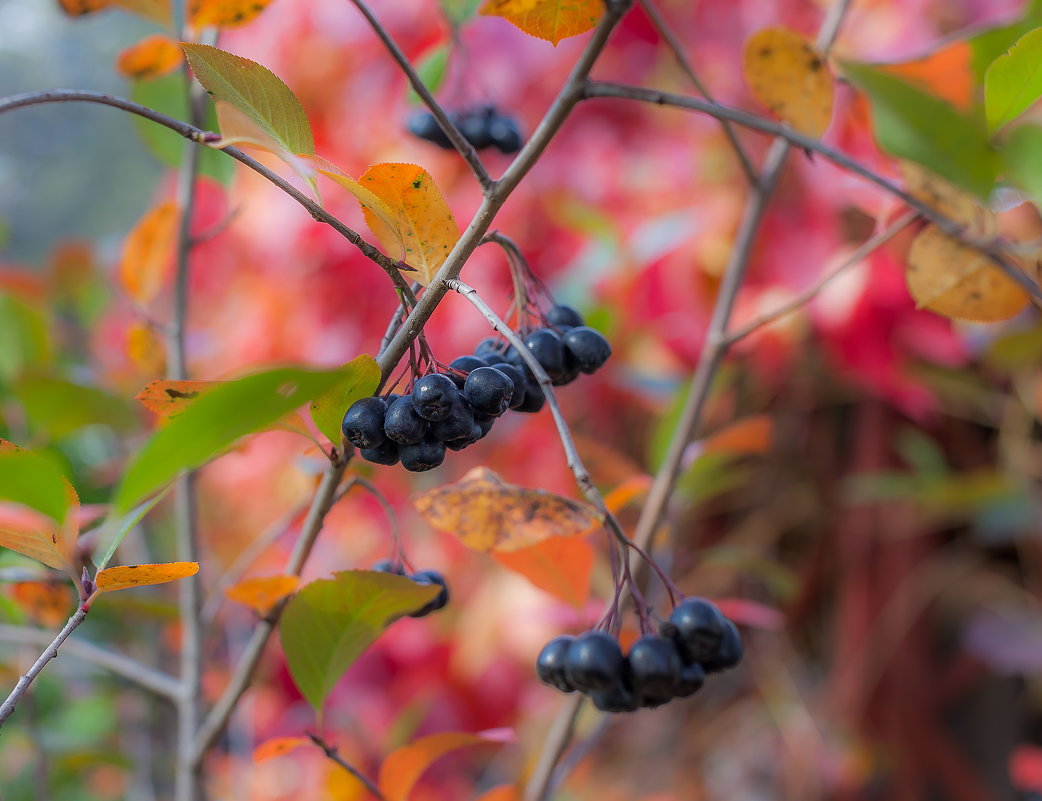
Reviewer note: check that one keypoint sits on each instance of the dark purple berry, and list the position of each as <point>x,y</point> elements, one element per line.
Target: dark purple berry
<point>587,349</point>
<point>474,124</point>
<point>697,629</point>
<point>594,662</point>
<point>435,397</point>
<point>473,436</point>
<point>505,134</point>
<point>389,566</point>
<point>489,391</point>
<point>457,426</point>
<point>464,364</point>
<point>490,347</point>
<point>534,398</point>
<point>548,350</point>
<point>654,669</point>
<point>442,598</point>
<point>384,453</point>
<point>425,455</point>
<point>363,423</point>
<point>402,424</point>
<point>730,651</point>
<point>517,378</point>
<point>550,664</point>
<point>562,316</point>
<point>618,698</point>
<point>692,677</point>
<point>423,125</point>
<point>484,422</point>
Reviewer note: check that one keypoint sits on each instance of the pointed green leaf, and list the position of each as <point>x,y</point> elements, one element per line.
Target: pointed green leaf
<point>213,423</point>
<point>1013,82</point>
<point>24,338</point>
<point>431,69</point>
<point>33,480</point>
<point>991,43</point>
<point>920,127</point>
<point>329,623</point>
<point>1022,157</point>
<point>59,407</point>
<point>359,379</point>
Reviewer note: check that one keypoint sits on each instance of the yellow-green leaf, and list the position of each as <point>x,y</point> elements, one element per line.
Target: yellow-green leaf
<point>1013,82</point>
<point>361,377</point>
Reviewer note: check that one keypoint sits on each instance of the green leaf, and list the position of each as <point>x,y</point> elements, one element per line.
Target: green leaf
<point>1022,158</point>
<point>254,107</point>
<point>432,69</point>
<point>169,95</point>
<point>1013,82</point>
<point>459,11</point>
<point>329,623</point>
<point>913,125</point>
<point>213,423</point>
<point>114,531</point>
<point>60,407</point>
<point>24,339</point>
<point>993,42</point>
<point>35,481</point>
<point>359,379</point>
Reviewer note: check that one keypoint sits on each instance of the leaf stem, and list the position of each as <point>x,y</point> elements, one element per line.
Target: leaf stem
<point>333,753</point>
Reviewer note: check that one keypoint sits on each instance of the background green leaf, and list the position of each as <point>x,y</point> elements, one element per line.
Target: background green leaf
<point>34,481</point>
<point>359,379</point>
<point>59,408</point>
<point>432,69</point>
<point>993,42</point>
<point>1013,82</point>
<point>913,125</point>
<point>329,623</point>
<point>1022,159</point>
<point>24,338</point>
<point>213,423</point>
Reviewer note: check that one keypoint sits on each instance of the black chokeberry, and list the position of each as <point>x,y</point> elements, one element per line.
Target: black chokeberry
<point>425,455</point>
<point>587,349</point>
<point>464,364</point>
<point>562,316</point>
<point>594,662</point>
<point>730,652</point>
<point>475,433</point>
<point>490,346</point>
<point>548,350</point>
<point>505,134</point>
<point>654,669</point>
<point>458,425</point>
<point>517,378</point>
<point>423,125</point>
<point>484,422</point>
<point>475,126</point>
<point>434,397</point>
<point>692,677</point>
<point>442,598</point>
<point>534,398</point>
<point>549,666</point>
<point>489,391</point>
<point>402,424</point>
<point>697,629</point>
<point>384,453</point>
<point>618,698</point>
<point>363,423</point>
<point>389,566</point>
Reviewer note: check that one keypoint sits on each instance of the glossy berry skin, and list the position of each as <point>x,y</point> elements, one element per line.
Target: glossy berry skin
<point>517,378</point>
<point>654,669</point>
<point>618,698</point>
<point>423,125</point>
<point>563,316</point>
<point>548,350</point>
<point>464,364</point>
<point>425,455</point>
<point>457,426</point>
<point>485,422</point>
<point>389,566</point>
<point>489,391</point>
<point>505,134</point>
<point>594,662</point>
<point>385,453</point>
<point>490,347</point>
<point>534,398</point>
<point>692,677</point>
<point>475,433</point>
<point>435,397</point>
<point>363,423</point>
<point>402,424</point>
<point>730,651</point>
<point>587,349</point>
<point>550,664</point>
<point>442,598</point>
<point>697,628</point>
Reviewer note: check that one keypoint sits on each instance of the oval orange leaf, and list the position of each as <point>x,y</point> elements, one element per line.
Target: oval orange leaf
<point>278,746</point>
<point>120,578</point>
<point>787,75</point>
<point>148,253</point>
<point>552,20</point>
<point>404,766</point>
<point>261,594</point>
<point>224,13</point>
<point>167,398</point>
<point>488,514</point>
<point>561,566</point>
<point>145,349</point>
<point>750,435</point>
<point>155,10</point>
<point>627,492</point>
<point>46,603</point>
<point>152,57</point>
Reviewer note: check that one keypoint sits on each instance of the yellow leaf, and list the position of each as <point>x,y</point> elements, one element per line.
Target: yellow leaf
<point>120,578</point>
<point>367,198</point>
<point>155,10</point>
<point>488,514</point>
<point>278,746</point>
<point>224,13</point>
<point>152,57</point>
<point>261,594</point>
<point>148,253</point>
<point>787,75</point>
<point>145,349</point>
<point>956,281</point>
<point>552,20</point>
<point>946,198</point>
<point>168,398</point>
<point>403,767</point>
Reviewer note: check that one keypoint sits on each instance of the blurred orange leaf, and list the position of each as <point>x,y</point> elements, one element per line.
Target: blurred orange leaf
<point>152,57</point>
<point>155,10</point>
<point>120,578</point>
<point>404,766</point>
<point>278,746</point>
<point>505,792</point>
<point>261,594</point>
<point>552,20</point>
<point>224,13</point>
<point>148,253</point>
<point>47,603</point>
<point>750,435</point>
<point>561,566</point>
<point>945,197</point>
<point>946,73</point>
<point>145,349</point>
<point>787,75</point>
<point>627,492</point>
<point>167,398</point>
<point>488,514</point>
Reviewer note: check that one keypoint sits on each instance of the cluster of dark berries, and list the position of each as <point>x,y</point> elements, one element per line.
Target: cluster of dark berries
<point>695,641</point>
<point>454,410</point>
<point>423,577</point>
<point>483,127</point>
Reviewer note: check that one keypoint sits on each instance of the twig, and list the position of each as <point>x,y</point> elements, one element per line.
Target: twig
<point>667,34</point>
<point>855,258</point>
<point>459,141</point>
<point>333,753</point>
<point>555,743</point>
<point>49,653</point>
<point>155,681</point>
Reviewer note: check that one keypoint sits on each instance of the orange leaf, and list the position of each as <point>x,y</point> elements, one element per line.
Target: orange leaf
<point>47,603</point>
<point>261,594</point>
<point>224,13</point>
<point>404,766</point>
<point>167,399</point>
<point>750,435</point>
<point>145,349</point>
<point>786,74</point>
<point>120,578</point>
<point>488,514</point>
<point>505,792</point>
<point>561,566</point>
<point>946,73</point>
<point>152,57</point>
<point>278,746</point>
<point>552,20</point>
<point>627,492</point>
<point>155,10</point>
<point>148,253</point>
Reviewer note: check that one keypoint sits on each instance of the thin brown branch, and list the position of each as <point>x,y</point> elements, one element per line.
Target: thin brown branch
<point>333,753</point>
